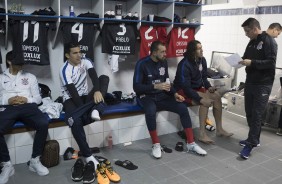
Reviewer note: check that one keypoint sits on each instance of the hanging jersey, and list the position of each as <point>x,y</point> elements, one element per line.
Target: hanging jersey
<point>119,39</point>
<point>76,75</point>
<point>179,37</point>
<point>30,41</point>
<point>148,35</point>
<point>82,33</point>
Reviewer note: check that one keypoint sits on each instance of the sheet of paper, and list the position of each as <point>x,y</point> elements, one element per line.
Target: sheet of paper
<point>233,60</point>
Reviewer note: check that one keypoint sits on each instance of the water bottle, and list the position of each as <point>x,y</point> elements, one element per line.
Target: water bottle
<point>110,141</point>
<point>71,9</point>
<point>167,81</point>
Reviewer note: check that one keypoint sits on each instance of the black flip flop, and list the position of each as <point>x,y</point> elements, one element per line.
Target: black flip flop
<point>126,164</point>
<point>101,159</point>
<point>179,146</point>
<point>166,149</point>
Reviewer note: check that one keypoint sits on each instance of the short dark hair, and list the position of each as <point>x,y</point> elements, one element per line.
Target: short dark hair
<point>9,57</point>
<point>275,25</point>
<point>70,45</point>
<point>251,23</point>
<point>155,45</point>
<point>191,49</point>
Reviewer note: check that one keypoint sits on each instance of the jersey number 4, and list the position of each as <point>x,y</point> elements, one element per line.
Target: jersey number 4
<point>77,28</point>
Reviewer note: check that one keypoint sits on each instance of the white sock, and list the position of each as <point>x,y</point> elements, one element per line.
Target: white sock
<point>91,158</point>
<point>6,163</point>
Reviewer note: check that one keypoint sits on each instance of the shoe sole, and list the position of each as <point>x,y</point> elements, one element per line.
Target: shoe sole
<point>156,157</point>
<point>96,118</point>
<point>113,181</point>
<point>245,145</point>
<point>39,173</point>
<point>76,179</point>
<point>190,151</point>
<point>89,181</point>
<point>244,157</point>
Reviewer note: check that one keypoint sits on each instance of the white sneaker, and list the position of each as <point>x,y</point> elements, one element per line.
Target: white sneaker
<point>95,115</point>
<point>156,150</point>
<point>7,171</point>
<point>36,166</point>
<point>195,148</point>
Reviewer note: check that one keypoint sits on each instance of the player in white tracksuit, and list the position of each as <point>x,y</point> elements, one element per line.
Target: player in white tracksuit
<point>19,97</point>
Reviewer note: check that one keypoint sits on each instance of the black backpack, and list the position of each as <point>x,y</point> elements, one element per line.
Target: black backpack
<point>45,91</point>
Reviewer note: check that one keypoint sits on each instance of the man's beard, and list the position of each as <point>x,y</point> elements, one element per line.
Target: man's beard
<point>160,59</point>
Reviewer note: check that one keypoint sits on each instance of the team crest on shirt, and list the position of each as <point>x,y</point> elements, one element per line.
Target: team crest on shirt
<point>82,70</point>
<point>200,67</point>
<point>25,81</point>
<point>260,45</point>
<point>162,70</point>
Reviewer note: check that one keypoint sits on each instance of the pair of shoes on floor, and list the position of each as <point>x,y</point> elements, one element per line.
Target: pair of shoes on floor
<point>244,143</point>
<point>7,170</point>
<point>95,115</point>
<point>105,172</point>
<point>35,165</point>
<point>246,151</point>
<point>86,172</point>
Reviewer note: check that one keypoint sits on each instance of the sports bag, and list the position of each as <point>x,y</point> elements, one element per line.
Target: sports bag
<point>51,154</point>
<point>45,91</point>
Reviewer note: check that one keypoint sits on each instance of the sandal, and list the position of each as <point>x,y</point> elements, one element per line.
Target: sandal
<point>210,128</point>
<point>126,164</point>
<point>166,149</point>
<point>179,146</point>
<point>101,159</point>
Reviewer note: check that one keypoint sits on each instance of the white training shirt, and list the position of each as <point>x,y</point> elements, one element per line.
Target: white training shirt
<point>23,84</point>
<point>76,75</point>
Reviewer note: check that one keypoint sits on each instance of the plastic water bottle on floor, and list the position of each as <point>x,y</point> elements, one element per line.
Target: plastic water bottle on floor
<point>110,141</point>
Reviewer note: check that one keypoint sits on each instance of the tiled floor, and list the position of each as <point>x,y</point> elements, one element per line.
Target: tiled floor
<point>221,166</point>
